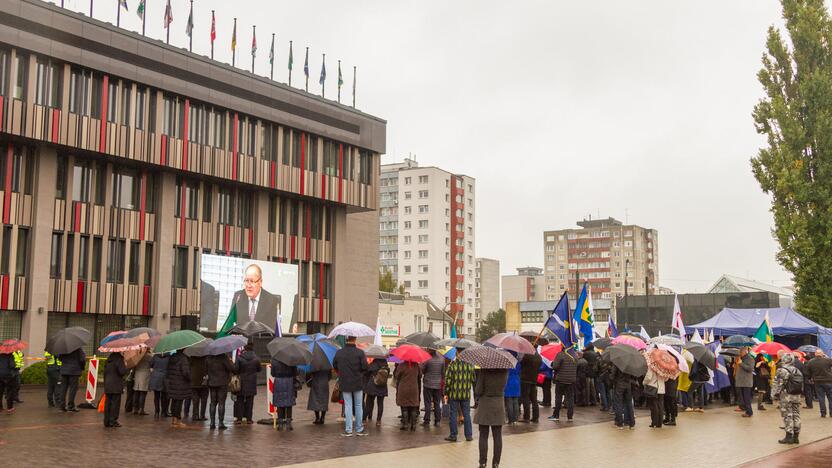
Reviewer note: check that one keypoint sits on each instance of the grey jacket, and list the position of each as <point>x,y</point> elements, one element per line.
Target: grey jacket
<point>744,377</point>
<point>434,371</point>
<point>488,390</point>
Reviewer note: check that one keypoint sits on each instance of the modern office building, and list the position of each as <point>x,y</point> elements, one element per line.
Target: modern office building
<point>614,258</point>
<point>124,160</point>
<point>486,288</point>
<point>526,285</point>
<point>426,236</point>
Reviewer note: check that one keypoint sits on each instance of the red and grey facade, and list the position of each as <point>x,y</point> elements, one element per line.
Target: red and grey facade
<point>124,160</point>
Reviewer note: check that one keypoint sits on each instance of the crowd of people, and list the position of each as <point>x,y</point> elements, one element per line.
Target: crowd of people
<point>196,388</point>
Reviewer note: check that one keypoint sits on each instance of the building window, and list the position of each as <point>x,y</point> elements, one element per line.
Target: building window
<point>407,180</point>
<point>125,104</point>
<point>225,206</point>
<point>133,276</point>
<point>272,213</point>
<point>7,250</point>
<point>22,65</point>
<point>423,268</point>
<point>22,169</point>
<point>48,83</point>
<point>423,254</point>
<point>115,261</point>
<point>4,71</point>
<point>423,238</point>
<point>406,254</point>
<point>423,224</point>
<point>112,100</point>
<point>57,255</point>
<point>407,268</point>
<point>97,85</point>
<point>423,284</point>
<point>407,195</point>
<point>423,194</point>
<point>141,95</point>
<point>423,179</point>
<point>22,251</point>
<point>148,264</point>
<point>180,267</point>
<point>126,189</point>
<point>207,199</point>
<point>83,263</point>
<point>244,209</point>
<point>81,181</point>
<point>95,272</point>
<point>190,203</point>
<point>296,149</point>
<point>423,208</point>
<point>195,268</point>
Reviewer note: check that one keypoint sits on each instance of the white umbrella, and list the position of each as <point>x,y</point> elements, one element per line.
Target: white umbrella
<point>351,329</point>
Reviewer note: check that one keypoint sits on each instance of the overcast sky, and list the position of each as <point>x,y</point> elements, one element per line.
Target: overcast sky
<point>640,110</point>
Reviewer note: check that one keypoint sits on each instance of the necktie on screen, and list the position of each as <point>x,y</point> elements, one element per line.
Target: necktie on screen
<point>253,310</point>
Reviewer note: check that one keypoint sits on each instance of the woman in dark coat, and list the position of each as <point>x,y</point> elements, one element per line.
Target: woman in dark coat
<point>219,370</point>
<point>408,376</point>
<point>199,388</point>
<point>285,395</point>
<point>114,372</point>
<point>491,411</point>
<point>178,385</point>
<point>158,367</point>
<point>375,393</point>
<point>248,365</point>
<point>318,383</point>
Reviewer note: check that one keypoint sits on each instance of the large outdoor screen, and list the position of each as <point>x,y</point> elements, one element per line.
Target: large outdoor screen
<point>263,291</point>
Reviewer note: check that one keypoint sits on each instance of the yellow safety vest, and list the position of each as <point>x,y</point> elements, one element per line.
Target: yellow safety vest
<point>18,359</point>
<point>51,360</point>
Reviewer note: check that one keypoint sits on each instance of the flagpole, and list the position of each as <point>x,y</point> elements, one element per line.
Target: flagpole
<point>233,45</point>
<point>290,66</point>
<point>271,73</point>
<point>191,35</point>
<point>306,69</point>
<point>213,24</point>
<point>144,15</point>
<point>118,13</point>
<point>339,82</point>
<point>354,72</point>
<point>91,8</point>
<point>254,38</point>
<point>323,82</point>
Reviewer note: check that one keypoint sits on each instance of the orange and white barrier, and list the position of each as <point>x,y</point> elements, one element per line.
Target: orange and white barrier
<point>92,379</point>
<point>269,390</point>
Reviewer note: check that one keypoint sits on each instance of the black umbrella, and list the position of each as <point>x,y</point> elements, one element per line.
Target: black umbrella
<point>68,340</point>
<point>730,352</point>
<point>423,339</point>
<point>252,328</point>
<point>200,349</point>
<point>627,359</point>
<point>290,351</point>
<point>602,343</point>
<point>702,354</point>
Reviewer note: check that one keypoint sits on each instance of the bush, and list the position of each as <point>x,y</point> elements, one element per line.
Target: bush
<point>34,374</point>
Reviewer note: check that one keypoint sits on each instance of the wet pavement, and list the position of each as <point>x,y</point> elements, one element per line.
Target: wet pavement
<point>36,435</point>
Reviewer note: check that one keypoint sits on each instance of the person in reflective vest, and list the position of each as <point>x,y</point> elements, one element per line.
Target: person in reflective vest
<point>18,368</point>
<point>53,378</point>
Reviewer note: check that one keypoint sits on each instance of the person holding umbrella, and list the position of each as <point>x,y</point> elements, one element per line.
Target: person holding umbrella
<point>114,372</point>
<point>178,385</point>
<point>141,384</point>
<point>351,364</point>
<point>407,378</point>
<point>219,369</point>
<point>459,379</point>
<point>287,354</point>
<point>7,381</point>
<point>433,370</point>
<point>744,380</point>
<point>158,369</point>
<point>565,367</point>
<point>248,366</point>
<point>71,369</point>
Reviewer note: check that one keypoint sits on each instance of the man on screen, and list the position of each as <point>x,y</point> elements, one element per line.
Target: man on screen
<point>255,303</point>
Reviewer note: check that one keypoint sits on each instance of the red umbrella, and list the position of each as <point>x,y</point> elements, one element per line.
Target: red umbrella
<point>512,342</point>
<point>10,346</point>
<point>550,351</point>
<point>771,348</point>
<point>411,353</point>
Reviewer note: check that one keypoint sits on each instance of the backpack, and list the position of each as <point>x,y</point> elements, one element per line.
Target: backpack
<point>794,382</point>
<point>380,379</point>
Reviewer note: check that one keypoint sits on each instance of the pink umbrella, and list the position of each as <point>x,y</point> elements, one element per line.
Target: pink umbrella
<point>512,342</point>
<point>122,344</point>
<point>683,364</point>
<point>662,363</point>
<point>10,346</point>
<point>550,351</point>
<point>632,341</point>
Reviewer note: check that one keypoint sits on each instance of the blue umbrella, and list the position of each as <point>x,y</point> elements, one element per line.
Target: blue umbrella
<point>323,352</point>
<point>226,344</point>
<point>116,335</point>
<point>738,341</point>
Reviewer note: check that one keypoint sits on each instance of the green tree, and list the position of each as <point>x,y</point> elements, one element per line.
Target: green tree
<point>494,323</point>
<point>387,284</point>
<point>795,167</point>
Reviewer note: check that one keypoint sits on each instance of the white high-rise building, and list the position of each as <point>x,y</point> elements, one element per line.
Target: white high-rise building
<point>426,236</point>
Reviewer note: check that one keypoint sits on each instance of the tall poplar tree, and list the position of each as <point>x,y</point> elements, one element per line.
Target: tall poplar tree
<point>795,166</point>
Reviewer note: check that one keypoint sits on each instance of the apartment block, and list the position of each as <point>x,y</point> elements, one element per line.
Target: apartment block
<point>527,285</point>
<point>612,257</point>
<point>487,288</point>
<point>426,236</point>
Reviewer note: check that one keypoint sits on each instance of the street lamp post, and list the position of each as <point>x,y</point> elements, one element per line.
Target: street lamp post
<point>626,282</point>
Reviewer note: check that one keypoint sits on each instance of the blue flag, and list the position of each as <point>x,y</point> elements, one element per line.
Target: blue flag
<point>583,316</point>
<point>719,378</point>
<point>560,322</point>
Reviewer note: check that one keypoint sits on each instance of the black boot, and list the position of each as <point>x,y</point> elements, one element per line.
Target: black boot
<point>786,440</point>
<point>795,436</point>
<point>289,425</point>
<point>213,425</point>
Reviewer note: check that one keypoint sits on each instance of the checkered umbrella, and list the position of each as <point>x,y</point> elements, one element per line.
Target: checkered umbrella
<point>487,358</point>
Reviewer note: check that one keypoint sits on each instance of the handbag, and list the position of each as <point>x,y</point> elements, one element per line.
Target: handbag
<point>335,397</point>
<point>234,384</point>
<point>650,391</point>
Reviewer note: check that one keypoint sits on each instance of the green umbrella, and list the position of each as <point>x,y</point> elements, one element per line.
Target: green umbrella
<point>177,340</point>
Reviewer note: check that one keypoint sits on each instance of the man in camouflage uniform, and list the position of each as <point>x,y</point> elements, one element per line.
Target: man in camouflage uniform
<point>789,404</point>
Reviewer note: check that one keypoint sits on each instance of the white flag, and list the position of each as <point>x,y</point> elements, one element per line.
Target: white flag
<point>377,339</point>
<point>677,323</point>
<point>696,338</point>
<point>644,334</point>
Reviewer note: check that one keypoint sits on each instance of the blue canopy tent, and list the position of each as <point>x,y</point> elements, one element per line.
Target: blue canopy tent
<point>785,322</point>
